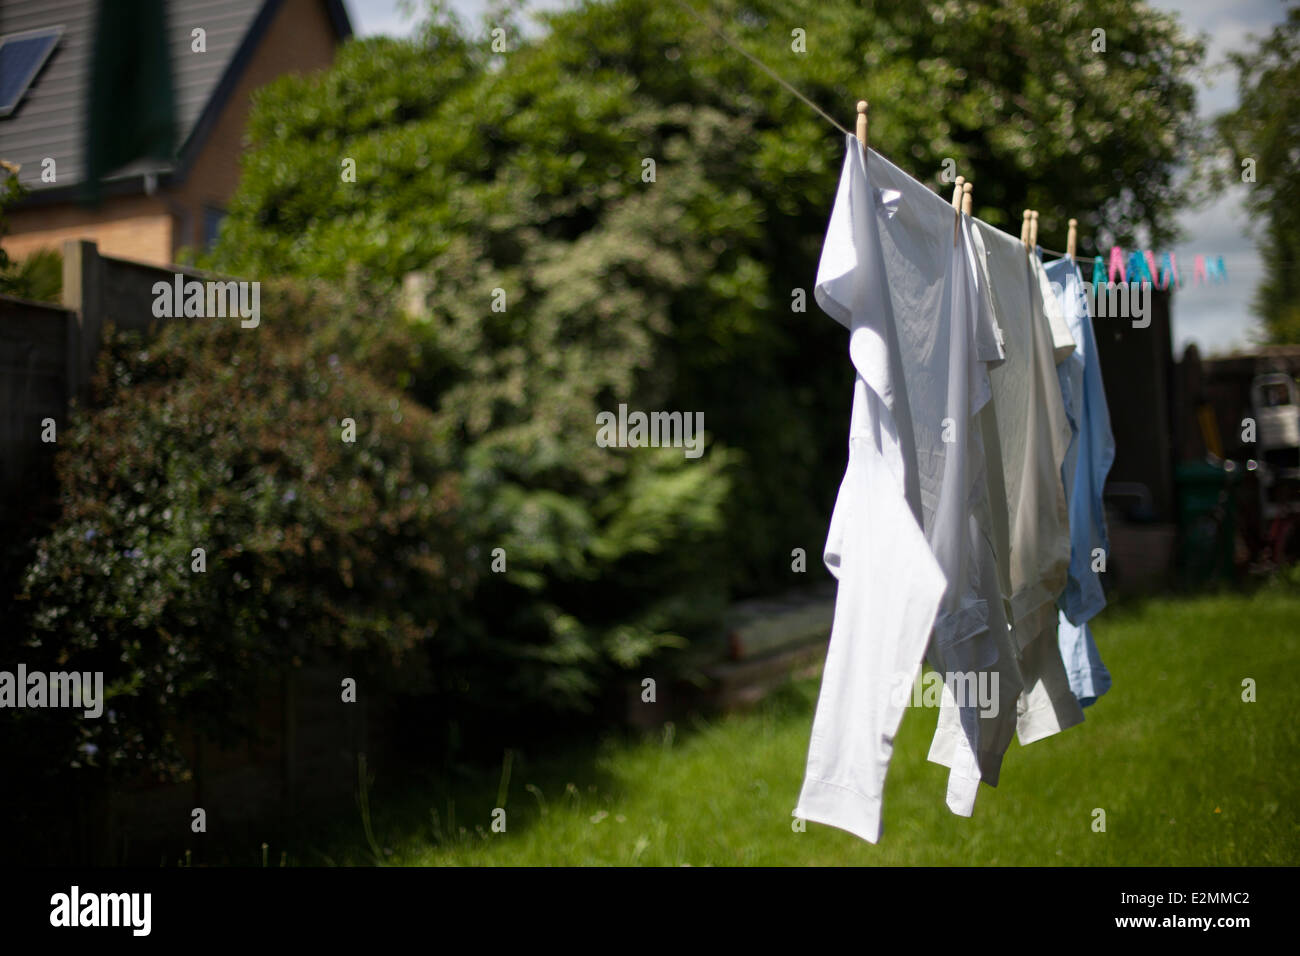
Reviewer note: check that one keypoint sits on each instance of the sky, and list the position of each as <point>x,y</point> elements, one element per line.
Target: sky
<point>1216,317</point>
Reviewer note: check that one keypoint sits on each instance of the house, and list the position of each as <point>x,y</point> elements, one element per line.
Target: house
<point>148,210</point>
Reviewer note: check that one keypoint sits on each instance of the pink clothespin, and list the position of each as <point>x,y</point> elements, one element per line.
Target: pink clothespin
<point>1116,265</point>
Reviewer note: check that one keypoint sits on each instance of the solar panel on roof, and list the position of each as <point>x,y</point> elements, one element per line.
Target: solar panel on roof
<point>21,57</point>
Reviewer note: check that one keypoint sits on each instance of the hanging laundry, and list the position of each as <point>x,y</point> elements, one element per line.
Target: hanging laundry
<point>882,618</point>
<point>1047,705</point>
<point>1033,431</point>
<point>1033,437</point>
<point>888,595</point>
<point>1084,474</point>
<point>894,273</point>
<point>971,740</point>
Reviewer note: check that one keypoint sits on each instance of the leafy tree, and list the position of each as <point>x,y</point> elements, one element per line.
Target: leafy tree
<point>524,179</point>
<point>38,276</point>
<point>523,171</point>
<point>11,190</point>
<point>1262,133</point>
<point>229,441</point>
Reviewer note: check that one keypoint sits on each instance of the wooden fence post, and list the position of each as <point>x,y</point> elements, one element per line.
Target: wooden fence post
<point>83,292</point>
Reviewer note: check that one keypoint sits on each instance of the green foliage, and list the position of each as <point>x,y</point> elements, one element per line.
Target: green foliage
<point>523,171</point>
<point>11,190</point>
<point>609,555</point>
<point>216,437</point>
<point>39,276</point>
<point>228,440</point>
<point>719,792</point>
<point>1265,128</point>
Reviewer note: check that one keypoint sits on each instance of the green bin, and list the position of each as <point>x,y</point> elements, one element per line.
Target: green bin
<point>1207,520</point>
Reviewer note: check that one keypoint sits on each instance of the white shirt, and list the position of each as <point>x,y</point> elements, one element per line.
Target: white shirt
<point>1032,430</point>
<point>896,271</point>
<point>971,740</point>
<point>890,584</point>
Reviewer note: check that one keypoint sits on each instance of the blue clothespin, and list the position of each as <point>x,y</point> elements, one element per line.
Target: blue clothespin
<point>1167,274</point>
<point>1137,268</point>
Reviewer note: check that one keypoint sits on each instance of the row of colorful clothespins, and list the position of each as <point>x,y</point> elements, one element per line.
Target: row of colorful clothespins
<point>1141,267</point>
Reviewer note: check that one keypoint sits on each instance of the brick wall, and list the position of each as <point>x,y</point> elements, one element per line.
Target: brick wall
<point>132,227</point>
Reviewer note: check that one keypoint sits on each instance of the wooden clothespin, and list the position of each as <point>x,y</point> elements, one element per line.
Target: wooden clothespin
<point>1024,230</point>
<point>1072,238</point>
<point>1033,229</point>
<point>862,127</point>
<point>956,206</point>
<point>966,201</point>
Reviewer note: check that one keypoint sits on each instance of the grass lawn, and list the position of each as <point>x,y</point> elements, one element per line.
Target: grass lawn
<point>1187,773</point>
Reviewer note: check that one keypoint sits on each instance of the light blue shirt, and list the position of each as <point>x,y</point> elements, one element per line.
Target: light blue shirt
<point>1088,461</point>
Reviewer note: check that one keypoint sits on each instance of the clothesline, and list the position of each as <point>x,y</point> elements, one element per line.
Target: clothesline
<point>910,490</point>
<point>712,25</point>
<point>726,38</point>
<point>978,431</point>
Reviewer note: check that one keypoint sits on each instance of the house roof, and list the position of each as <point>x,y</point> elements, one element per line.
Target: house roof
<point>50,119</point>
